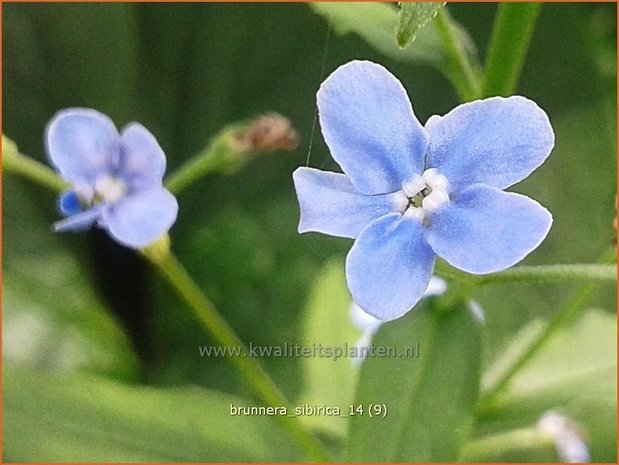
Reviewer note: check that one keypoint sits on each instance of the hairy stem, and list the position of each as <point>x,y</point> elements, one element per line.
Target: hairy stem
<point>535,274</point>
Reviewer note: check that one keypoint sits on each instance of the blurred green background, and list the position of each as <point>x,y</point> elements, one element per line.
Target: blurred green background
<point>79,302</point>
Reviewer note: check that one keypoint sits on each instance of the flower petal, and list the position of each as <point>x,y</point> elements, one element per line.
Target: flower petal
<point>137,220</point>
<point>483,230</point>
<point>80,143</point>
<point>370,324</point>
<point>389,266</point>
<point>368,123</point>
<point>69,203</point>
<point>80,221</point>
<point>143,161</point>
<point>497,141</point>
<point>330,204</point>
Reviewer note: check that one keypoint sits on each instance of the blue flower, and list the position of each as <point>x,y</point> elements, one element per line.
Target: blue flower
<point>410,193</point>
<point>116,178</point>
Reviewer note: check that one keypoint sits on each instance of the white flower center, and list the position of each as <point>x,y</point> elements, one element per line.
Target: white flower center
<point>110,189</point>
<point>425,193</point>
<point>84,193</point>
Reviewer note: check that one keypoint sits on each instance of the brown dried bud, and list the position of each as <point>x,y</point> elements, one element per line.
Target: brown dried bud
<point>268,133</point>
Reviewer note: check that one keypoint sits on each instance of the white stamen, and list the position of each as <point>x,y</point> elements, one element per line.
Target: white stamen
<point>414,186</point>
<point>435,200</point>
<point>110,189</point>
<point>431,189</point>
<point>435,180</point>
<point>400,201</point>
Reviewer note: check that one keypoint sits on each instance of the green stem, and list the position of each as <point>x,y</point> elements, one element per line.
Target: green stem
<point>575,304</point>
<point>224,153</point>
<point>509,42</point>
<point>232,147</point>
<point>256,377</point>
<point>15,162</point>
<point>459,68</point>
<point>534,274</point>
<point>203,164</point>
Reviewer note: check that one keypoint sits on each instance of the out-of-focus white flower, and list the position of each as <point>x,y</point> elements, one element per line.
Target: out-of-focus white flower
<point>570,446</point>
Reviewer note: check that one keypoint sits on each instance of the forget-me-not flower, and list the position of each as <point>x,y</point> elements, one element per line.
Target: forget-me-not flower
<point>410,193</point>
<point>116,178</point>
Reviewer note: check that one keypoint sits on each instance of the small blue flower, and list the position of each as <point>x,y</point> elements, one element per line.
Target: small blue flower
<point>410,193</point>
<point>116,178</point>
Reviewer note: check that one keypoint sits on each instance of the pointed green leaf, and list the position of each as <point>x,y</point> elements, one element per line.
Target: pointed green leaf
<point>413,16</point>
<point>90,419</point>
<point>455,56</point>
<point>375,23</point>
<point>429,398</point>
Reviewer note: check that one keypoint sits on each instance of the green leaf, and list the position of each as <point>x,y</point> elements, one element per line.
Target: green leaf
<point>327,380</point>
<point>375,23</point>
<point>90,419</point>
<point>563,360</point>
<point>575,374</point>
<point>413,16</point>
<point>52,318</point>
<point>429,399</point>
<point>453,54</point>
